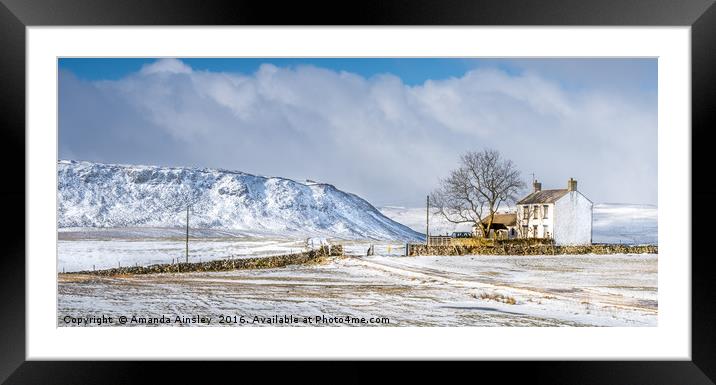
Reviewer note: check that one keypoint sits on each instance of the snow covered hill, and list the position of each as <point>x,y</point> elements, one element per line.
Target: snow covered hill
<point>103,195</point>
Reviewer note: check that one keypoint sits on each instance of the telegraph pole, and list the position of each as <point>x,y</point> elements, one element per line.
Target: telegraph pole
<point>427,222</point>
<point>187,234</point>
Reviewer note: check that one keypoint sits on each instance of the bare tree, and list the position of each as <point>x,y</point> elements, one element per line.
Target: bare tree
<point>474,191</point>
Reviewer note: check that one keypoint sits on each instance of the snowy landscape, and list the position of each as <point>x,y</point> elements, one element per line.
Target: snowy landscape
<point>614,290</point>
<point>273,188</point>
<point>104,222</point>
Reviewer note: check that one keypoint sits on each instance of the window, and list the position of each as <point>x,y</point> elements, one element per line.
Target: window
<point>534,231</point>
<point>534,214</point>
<point>525,212</point>
<point>545,210</point>
<point>525,232</point>
<point>545,232</point>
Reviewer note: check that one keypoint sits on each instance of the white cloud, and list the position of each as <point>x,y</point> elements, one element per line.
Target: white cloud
<point>172,66</point>
<point>377,137</point>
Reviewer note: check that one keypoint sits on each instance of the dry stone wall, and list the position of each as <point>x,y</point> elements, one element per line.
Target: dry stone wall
<point>312,256</point>
<point>529,249</point>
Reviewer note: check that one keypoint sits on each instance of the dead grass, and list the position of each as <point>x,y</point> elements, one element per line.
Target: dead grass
<point>496,297</point>
<point>70,277</point>
<point>123,275</point>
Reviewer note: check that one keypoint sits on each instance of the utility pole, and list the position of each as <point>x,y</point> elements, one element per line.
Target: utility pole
<point>427,222</point>
<point>187,234</point>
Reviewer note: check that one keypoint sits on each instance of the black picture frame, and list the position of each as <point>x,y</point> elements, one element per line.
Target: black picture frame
<point>15,15</point>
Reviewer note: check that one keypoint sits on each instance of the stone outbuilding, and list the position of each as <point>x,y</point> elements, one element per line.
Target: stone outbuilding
<point>504,226</point>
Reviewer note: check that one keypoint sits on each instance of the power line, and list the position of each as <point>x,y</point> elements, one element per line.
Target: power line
<point>187,234</point>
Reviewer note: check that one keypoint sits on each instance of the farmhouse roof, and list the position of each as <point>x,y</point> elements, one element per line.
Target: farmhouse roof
<point>544,196</point>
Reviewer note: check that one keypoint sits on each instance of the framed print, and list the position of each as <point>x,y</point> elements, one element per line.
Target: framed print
<point>423,182</point>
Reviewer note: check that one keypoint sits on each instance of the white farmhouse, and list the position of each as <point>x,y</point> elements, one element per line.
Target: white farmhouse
<point>564,215</point>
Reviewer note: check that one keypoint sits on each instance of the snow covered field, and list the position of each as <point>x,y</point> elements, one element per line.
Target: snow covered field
<point>565,290</point>
<point>614,290</point>
<point>108,253</point>
<point>85,248</point>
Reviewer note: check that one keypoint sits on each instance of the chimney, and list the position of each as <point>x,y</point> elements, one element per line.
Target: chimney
<point>571,185</point>
<point>537,186</point>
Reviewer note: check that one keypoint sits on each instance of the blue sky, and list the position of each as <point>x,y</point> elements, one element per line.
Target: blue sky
<point>386,128</point>
<point>412,71</point>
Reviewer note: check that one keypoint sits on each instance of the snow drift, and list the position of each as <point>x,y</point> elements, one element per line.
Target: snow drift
<point>108,195</point>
